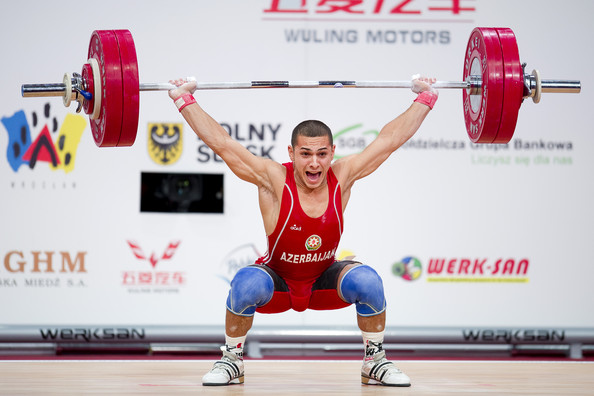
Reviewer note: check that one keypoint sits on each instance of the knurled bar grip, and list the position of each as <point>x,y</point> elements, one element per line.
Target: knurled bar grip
<point>305,84</point>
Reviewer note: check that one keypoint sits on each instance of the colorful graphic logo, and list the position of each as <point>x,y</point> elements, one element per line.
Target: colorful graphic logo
<point>55,144</point>
<point>409,268</point>
<point>153,259</point>
<point>154,280</point>
<point>313,243</point>
<point>165,142</point>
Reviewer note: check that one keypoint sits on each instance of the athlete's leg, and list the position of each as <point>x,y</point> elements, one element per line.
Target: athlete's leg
<point>251,287</point>
<point>236,325</point>
<point>361,285</point>
<point>372,324</point>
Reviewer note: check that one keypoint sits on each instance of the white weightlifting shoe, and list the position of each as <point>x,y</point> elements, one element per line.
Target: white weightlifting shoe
<point>227,371</point>
<point>381,371</point>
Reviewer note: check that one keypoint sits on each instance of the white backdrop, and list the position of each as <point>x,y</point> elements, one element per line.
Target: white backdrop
<point>65,233</point>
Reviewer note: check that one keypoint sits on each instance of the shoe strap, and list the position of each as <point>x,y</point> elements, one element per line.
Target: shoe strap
<point>382,368</point>
<point>231,368</point>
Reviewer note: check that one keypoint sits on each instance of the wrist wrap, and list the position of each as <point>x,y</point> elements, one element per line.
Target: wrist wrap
<point>183,101</point>
<point>427,98</point>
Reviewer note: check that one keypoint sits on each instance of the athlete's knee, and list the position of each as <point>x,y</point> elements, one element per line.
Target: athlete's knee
<point>251,287</point>
<point>363,286</point>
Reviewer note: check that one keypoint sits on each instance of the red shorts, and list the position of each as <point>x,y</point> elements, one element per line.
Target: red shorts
<point>299,296</point>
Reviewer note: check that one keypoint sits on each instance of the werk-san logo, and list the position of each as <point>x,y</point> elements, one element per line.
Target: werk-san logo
<point>165,142</point>
<point>478,269</point>
<point>464,269</point>
<point>54,143</point>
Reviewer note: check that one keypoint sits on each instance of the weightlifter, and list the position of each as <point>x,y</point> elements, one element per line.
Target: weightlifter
<point>302,204</point>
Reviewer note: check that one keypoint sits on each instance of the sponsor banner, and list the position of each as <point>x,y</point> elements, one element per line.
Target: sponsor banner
<point>56,141</point>
<point>151,279</point>
<point>260,139</point>
<point>463,269</point>
<point>464,235</point>
<point>43,270</point>
<point>131,335</point>
<point>165,142</point>
<point>514,336</point>
<point>87,335</point>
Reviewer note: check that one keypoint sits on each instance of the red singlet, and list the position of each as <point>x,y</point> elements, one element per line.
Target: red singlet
<point>301,248</point>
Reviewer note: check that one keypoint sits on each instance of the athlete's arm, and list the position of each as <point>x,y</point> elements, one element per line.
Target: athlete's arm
<point>242,162</point>
<point>393,135</point>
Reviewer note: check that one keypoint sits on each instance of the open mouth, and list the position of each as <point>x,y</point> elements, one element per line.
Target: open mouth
<point>313,177</point>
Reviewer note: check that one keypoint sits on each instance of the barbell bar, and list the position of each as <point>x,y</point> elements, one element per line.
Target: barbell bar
<point>494,86</point>
<point>550,86</point>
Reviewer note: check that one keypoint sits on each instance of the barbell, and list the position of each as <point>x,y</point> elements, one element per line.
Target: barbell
<point>494,86</point>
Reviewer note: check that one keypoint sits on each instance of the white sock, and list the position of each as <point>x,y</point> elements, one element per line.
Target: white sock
<point>235,345</point>
<point>372,342</point>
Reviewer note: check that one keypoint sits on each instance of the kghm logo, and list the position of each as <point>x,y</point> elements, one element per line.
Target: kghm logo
<point>43,269</point>
<point>313,243</point>
<point>409,268</point>
<point>55,144</point>
<point>165,142</point>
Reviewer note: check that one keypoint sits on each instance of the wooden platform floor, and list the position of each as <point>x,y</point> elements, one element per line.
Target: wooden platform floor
<point>293,377</point>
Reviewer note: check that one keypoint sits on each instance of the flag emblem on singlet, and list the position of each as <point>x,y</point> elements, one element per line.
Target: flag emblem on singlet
<point>313,243</point>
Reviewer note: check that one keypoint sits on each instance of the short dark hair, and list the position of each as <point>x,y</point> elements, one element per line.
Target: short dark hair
<point>311,128</point>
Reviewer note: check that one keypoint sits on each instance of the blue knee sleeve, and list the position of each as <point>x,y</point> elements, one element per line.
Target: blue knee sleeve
<point>363,286</point>
<point>251,287</point>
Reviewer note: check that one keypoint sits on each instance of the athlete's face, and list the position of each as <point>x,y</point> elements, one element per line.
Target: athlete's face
<point>312,157</point>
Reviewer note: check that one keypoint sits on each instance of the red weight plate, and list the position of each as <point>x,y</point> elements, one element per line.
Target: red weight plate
<point>131,87</point>
<point>89,86</point>
<point>104,48</point>
<point>482,112</point>
<point>513,85</point>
